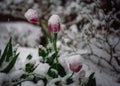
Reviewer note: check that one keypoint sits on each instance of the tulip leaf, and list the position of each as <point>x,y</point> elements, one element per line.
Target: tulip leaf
<point>58,68</point>
<point>29,67</point>
<point>4,55</point>
<point>29,57</point>
<point>11,64</point>
<point>58,83</point>
<point>37,78</point>
<point>44,28</point>
<point>69,81</point>
<point>50,59</point>
<point>52,73</point>
<point>91,81</point>
<point>42,53</point>
<point>9,51</point>
<point>23,76</point>
<point>0,52</point>
<point>61,70</point>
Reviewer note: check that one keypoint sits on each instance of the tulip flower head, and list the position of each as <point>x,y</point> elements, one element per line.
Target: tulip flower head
<point>54,23</point>
<point>75,67</point>
<point>32,16</point>
<point>74,63</point>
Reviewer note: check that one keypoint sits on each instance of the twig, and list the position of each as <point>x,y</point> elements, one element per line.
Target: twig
<point>27,79</point>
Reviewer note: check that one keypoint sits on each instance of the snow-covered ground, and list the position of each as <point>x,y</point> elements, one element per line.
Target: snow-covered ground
<point>27,34</point>
<point>23,33</point>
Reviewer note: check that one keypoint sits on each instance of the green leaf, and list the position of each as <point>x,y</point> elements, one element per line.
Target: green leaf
<point>50,60</point>
<point>58,68</point>
<point>69,81</point>
<point>61,70</point>
<point>58,83</point>
<point>30,67</point>
<point>29,57</point>
<point>45,81</point>
<point>42,53</point>
<point>91,76</point>
<point>45,29</point>
<point>4,54</point>
<point>23,76</point>
<point>49,43</point>
<point>37,78</point>
<point>52,73</point>
<point>0,52</point>
<point>11,64</point>
<point>44,23</point>
<point>49,50</point>
<point>92,80</point>
<point>10,51</point>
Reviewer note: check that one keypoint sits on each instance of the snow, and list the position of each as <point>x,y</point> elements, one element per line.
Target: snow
<point>54,20</point>
<point>42,69</point>
<point>104,78</point>
<point>76,59</point>
<point>4,80</point>
<point>24,52</point>
<point>23,33</point>
<point>16,74</point>
<point>40,83</point>
<point>27,83</point>
<point>17,1</point>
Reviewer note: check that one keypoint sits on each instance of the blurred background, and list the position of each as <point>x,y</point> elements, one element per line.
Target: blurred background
<point>93,25</point>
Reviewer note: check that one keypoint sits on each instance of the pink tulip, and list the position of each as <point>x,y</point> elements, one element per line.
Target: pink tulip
<point>74,63</point>
<point>75,67</point>
<point>54,24</point>
<point>32,16</point>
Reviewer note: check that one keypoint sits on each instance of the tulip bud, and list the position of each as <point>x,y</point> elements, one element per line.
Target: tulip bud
<point>32,16</point>
<point>75,67</point>
<point>75,64</point>
<point>54,24</point>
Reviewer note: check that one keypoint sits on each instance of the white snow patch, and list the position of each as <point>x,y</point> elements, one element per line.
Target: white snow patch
<point>27,83</point>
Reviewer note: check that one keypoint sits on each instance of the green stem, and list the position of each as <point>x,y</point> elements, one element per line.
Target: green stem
<point>55,46</point>
<point>44,27</point>
<point>55,42</point>
<point>71,76</point>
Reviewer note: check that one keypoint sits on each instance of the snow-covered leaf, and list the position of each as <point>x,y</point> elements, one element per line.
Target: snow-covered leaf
<point>4,54</point>
<point>9,51</point>
<point>11,64</point>
<point>29,57</point>
<point>58,67</point>
<point>52,73</point>
<point>30,67</point>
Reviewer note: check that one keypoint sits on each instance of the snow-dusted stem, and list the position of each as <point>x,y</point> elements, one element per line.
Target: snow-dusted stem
<point>17,83</point>
<point>55,40</point>
<point>55,45</point>
<point>71,76</point>
<point>41,25</point>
